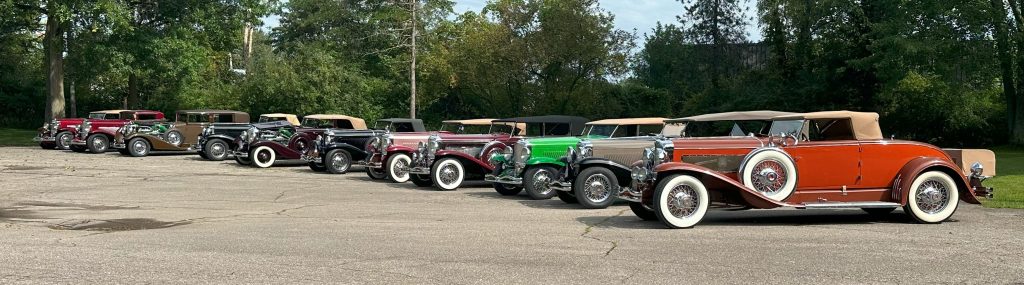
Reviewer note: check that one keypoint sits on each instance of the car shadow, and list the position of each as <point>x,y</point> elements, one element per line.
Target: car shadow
<point>759,218</point>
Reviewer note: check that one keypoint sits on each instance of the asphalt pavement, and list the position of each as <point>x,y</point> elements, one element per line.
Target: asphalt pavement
<point>104,218</point>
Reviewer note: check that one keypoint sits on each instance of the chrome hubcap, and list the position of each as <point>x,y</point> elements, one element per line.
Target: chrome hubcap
<point>932,196</point>
<point>401,168</point>
<point>263,156</point>
<point>338,162</point>
<point>769,176</point>
<point>65,139</point>
<point>98,142</point>
<point>683,201</point>
<point>448,173</point>
<point>596,188</point>
<point>139,147</point>
<point>218,149</point>
<point>541,179</point>
<point>174,138</point>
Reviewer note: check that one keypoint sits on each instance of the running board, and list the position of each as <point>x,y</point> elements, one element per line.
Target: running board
<point>844,205</point>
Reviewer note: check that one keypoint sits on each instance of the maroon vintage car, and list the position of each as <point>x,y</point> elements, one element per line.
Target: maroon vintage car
<point>821,160</point>
<point>95,135</point>
<point>447,160</point>
<point>265,143</point>
<point>58,133</point>
<point>391,155</point>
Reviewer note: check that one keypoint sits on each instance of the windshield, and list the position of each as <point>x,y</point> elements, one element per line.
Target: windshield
<point>725,128</point>
<point>465,129</point>
<point>197,118</point>
<point>792,127</point>
<point>317,123</point>
<point>601,131</point>
<point>103,116</point>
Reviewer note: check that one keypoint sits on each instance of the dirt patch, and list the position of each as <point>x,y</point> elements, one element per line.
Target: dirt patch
<point>77,206</point>
<point>115,225</point>
<point>23,167</point>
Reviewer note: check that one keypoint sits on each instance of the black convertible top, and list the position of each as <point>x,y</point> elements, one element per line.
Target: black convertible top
<point>271,125</point>
<point>575,123</point>
<point>417,124</point>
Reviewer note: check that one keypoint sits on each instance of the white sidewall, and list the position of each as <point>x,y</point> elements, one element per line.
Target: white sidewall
<point>256,158</point>
<point>393,162</point>
<point>787,163</point>
<point>954,197</point>
<point>460,171</point>
<point>661,202</point>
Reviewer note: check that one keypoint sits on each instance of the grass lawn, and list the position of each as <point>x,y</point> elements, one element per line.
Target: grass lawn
<point>17,137</point>
<point>1008,180</point>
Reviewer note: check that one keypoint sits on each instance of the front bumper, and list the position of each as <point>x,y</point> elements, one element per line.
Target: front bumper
<point>511,180</point>
<point>560,186</point>
<point>46,139</point>
<point>241,151</point>
<point>78,142</point>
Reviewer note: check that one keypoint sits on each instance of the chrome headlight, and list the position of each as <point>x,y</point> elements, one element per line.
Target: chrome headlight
<point>251,135</point>
<point>383,142</point>
<point>664,148</point>
<point>83,129</point>
<point>521,153</point>
<point>585,148</point>
<point>977,169</point>
<point>433,143</point>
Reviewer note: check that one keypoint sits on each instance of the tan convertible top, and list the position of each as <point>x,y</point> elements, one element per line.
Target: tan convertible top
<point>357,123</point>
<point>732,116</point>
<point>864,124</point>
<point>291,118</point>
<point>629,121</point>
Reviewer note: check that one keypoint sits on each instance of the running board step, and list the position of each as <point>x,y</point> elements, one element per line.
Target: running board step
<point>844,205</point>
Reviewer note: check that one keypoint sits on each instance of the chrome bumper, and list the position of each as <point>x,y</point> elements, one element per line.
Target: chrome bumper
<point>503,179</point>
<point>560,186</point>
<point>240,154</point>
<point>118,145</point>
<point>77,142</point>
<point>419,170</point>
<point>44,139</point>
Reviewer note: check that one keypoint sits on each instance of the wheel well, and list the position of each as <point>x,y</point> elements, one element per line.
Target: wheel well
<point>624,177</point>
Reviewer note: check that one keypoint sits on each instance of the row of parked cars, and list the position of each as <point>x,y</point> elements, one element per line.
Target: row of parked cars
<point>671,170</point>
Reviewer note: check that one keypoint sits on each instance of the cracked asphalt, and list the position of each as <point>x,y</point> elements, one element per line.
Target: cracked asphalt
<point>83,218</point>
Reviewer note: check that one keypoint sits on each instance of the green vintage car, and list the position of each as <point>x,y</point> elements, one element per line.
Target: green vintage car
<point>534,163</point>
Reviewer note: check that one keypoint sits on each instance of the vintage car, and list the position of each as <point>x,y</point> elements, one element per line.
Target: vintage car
<point>218,139</point>
<point>543,160</point>
<point>394,150</point>
<point>58,133</point>
<point>595,170</point>
<point>821,160</point>
<point>288,142</point>
<point>182,135</point>
<point>95,135</point>
<point>337,149</point>
<point>448,160</point>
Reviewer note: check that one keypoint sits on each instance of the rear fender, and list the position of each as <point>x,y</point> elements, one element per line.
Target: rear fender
<point>471,163</point>
<point>622,172</point>
<point>902,183</point>
<point>715,181</point>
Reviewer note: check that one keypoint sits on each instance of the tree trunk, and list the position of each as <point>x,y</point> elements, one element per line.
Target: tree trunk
<point>132,102</point>
<point>73,102</point>
<point>1005,65</point>
<point>53,40</point>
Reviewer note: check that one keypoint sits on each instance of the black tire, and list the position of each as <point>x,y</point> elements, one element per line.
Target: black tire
<point>47,145</point>
<point>123,151</point>
<point>599,179</point>
<point>642,211</point>
<point>878,211</point>
<point>536,180</point>
<point>317,167</point>
<point>203,155</point>
<point>244,161</point>
<point>567,197</point>
<point>143,147</point>
<point>338,161</point>
<point>421,180</point>
<point>77,148</point>
<point>375,173</point>
<point>97,143</point>
<point>507,189</point>
<point>60,143</point>
<point>212,154</point>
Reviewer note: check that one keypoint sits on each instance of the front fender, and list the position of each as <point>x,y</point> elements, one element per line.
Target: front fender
<point>356,152</point>
<point>282,151</point>
<point>227,139</point>
<point>902,183</point>
<point>716,181</point>
<point>622,172</point>
<point>468,161</point>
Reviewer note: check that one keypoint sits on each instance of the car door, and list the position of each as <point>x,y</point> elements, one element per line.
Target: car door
<point>826,165</point>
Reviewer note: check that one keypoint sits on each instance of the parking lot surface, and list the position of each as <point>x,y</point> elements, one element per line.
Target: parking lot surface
<point>72,218</point>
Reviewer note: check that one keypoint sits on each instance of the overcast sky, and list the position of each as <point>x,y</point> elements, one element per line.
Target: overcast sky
<point>641,15</point>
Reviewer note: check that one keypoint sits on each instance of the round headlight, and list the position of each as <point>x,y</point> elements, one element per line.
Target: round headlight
<point>977,169</point>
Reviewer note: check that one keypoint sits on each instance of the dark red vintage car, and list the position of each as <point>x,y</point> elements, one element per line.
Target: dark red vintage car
<point>822,160</point>
<point>447,160</point>
<point>95,135</point>
<point>58,133</point>
<point>262,146</point>
<point>395,150</point>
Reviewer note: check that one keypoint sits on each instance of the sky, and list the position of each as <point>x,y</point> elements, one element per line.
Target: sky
<point>641,15</point>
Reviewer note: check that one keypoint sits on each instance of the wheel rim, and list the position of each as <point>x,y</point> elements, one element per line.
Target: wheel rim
<point>596,188</point>
<point>683,201</point>
<point>263,156</point>
<point>401,167</point>
<point>541,178</point>
<point>139,147</point>
<point>448,174</point>
<point>174,138</point>
<point>65,139</point>
<point>932,196</point>
<point>339,162</point>
<point>769,176</point>
<point>218,150</point>
<point>99,143</point>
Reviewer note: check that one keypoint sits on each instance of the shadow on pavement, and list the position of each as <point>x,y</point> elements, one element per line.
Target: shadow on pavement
<point>759,218</point>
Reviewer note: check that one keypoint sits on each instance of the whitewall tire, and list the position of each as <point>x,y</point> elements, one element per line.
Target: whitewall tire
<point>681,201</point>
<point>398,168</point>
<point>771,173</point>
<point>933,197</point>
<point>448,174</point>
<point>263,157</point>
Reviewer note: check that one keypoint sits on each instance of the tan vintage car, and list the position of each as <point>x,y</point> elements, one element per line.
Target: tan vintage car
<point>291,118</point>
<point>182,135</point>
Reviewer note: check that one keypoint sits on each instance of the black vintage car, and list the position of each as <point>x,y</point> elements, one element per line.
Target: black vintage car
<point>218,139</point>
<point>337,149</point>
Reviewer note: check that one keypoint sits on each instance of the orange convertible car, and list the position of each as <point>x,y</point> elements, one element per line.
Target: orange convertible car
<point>836,159</point>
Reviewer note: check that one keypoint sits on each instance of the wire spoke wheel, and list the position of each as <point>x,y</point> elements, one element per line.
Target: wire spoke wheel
<point>597,187</point>
<point>932,196</point>
<point>682,201</point>
<point>769,176</point>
